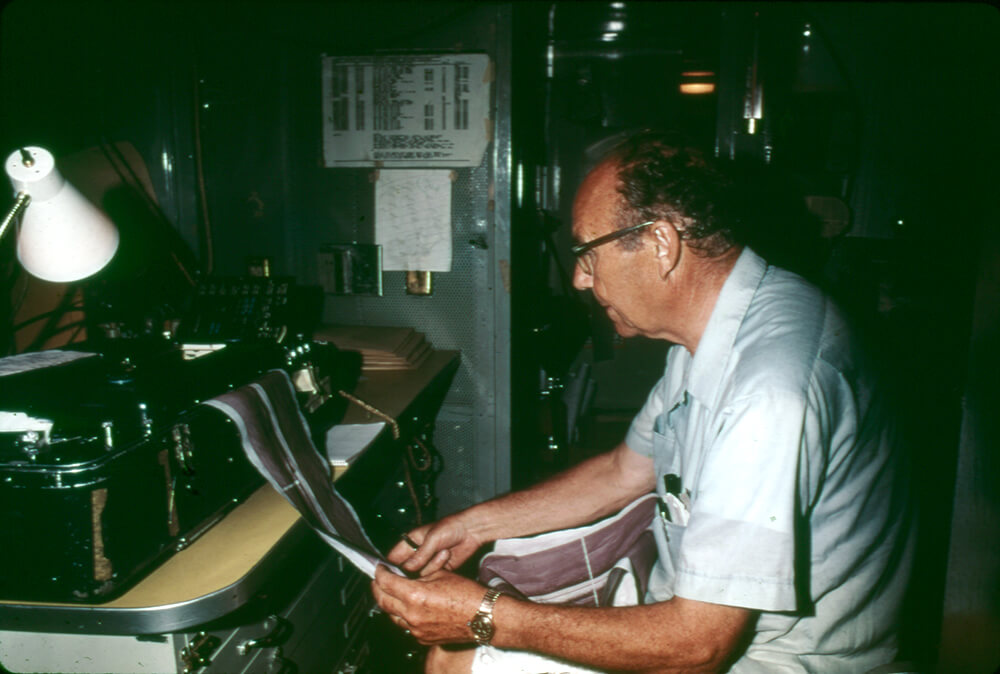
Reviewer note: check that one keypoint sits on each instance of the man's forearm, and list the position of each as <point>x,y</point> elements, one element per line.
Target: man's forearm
<point>582,494</point>
<point>593,489</point>
<point>673,636</point>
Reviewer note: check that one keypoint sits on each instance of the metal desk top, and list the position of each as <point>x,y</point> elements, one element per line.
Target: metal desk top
<point>232,561</point>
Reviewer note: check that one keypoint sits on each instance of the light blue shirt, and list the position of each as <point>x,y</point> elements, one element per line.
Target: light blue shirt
<point>790,499</point>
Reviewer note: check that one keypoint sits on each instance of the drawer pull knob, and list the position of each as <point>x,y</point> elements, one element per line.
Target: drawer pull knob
<point>278,635</point>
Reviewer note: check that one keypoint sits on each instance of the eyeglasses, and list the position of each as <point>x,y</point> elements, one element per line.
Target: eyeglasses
<point>585,261</point>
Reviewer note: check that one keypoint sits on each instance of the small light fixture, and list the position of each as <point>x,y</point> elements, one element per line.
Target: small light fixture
<point>696,82</point>
<point>62,237</point>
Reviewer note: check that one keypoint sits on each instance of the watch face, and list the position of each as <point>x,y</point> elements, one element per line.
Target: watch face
<point>482,628</point>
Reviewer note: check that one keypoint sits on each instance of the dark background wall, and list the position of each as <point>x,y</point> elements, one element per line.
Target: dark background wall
<point>223,102</point>
<point>892,109</point>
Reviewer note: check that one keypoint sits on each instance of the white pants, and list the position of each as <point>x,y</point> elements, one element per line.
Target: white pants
<point>490,660</point>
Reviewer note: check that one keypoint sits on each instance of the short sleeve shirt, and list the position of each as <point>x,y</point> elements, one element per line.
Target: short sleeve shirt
<point>779,478</point>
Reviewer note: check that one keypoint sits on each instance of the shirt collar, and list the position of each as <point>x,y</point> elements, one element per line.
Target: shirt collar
<point>716,343</point>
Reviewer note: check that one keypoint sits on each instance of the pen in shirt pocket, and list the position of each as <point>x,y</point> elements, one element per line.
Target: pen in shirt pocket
<point>675,504</point>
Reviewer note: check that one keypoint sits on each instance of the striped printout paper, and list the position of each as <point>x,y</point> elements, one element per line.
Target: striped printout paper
<point>601,564</point>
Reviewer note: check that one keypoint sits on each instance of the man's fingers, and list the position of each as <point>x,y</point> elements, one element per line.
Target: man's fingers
<point>391,606</point>
<point>388,592</point>
<point>400,553</point>
<point>388,580</point>
<point>438,562</point>
<point>441,545</point>
<point>421,556</point>
<point>405,548</point>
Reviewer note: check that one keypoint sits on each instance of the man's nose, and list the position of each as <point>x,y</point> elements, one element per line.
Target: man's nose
<point>581,279</point>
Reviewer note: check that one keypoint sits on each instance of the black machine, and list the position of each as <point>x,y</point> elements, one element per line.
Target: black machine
<point>250,307</point>
<point>109,464</point>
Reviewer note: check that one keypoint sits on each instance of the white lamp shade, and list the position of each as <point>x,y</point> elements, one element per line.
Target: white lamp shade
<point>63,237</point>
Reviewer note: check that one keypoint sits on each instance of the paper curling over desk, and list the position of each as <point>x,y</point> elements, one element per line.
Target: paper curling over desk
<point>276,439</point>
<point>601,564</point>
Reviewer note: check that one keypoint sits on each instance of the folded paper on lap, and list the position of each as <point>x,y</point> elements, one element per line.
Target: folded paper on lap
<point>601,564</point>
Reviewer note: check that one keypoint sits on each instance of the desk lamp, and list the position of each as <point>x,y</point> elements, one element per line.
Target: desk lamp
<point>63,237</point>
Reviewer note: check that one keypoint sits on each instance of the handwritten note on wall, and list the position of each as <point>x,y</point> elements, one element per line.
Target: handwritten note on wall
<point>413,219</point>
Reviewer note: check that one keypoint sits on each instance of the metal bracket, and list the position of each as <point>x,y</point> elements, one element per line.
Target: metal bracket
<point>351,269</point>
<point>198,654</point>
<point>279,633</point>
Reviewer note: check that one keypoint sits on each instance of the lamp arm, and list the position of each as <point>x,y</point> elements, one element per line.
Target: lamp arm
<point>23,199</point>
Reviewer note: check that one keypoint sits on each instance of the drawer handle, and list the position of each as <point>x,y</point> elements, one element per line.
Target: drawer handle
<point>198,653</point>
<point>278,635</point>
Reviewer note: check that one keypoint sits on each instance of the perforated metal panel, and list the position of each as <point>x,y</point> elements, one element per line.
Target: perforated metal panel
<point>468,310</point>
<point>456,437</point>
<point>458,315</point>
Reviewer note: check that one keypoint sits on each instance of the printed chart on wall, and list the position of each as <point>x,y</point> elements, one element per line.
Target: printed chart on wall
<point>406,110</point>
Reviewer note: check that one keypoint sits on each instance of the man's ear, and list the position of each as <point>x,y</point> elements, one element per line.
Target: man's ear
<point>668,247</point>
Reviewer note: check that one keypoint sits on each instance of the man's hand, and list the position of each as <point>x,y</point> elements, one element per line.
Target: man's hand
<point>442,545</point>
<point>593,489</point>
<point>435,609</point>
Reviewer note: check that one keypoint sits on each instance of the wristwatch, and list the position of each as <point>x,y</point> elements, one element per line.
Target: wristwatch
<point>482,623</point>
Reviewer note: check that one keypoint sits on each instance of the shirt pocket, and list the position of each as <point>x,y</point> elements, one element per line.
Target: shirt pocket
<point>666,453</point>
<point>668,534</point>
<point>674,535</point>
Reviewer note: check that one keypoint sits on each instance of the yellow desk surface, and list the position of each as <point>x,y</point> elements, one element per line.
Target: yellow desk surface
<point>232,549</point>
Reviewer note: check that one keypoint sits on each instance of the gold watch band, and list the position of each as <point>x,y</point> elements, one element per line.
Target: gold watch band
<point>489,599</point>
<point>482,625</point>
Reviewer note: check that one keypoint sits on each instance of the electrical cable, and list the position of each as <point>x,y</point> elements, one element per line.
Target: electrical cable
<point>409,461</point>
<point>427,461</point>
<point>408,477</point>
<point>205,221</point>
<point>373,410</point>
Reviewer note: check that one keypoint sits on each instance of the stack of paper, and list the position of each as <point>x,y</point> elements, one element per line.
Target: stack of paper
<point>381,348</point>
<point>345,442</point>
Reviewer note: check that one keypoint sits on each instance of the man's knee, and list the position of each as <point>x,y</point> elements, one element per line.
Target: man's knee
<point>441,661</point>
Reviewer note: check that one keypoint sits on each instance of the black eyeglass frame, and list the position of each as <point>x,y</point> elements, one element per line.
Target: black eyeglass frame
<point>582,248</point>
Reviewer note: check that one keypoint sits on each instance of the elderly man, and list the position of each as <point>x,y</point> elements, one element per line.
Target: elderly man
<point>786,545</point>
